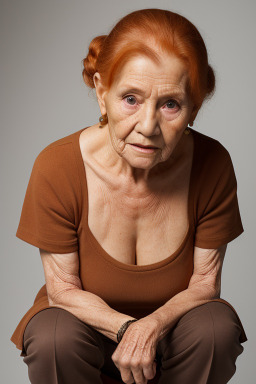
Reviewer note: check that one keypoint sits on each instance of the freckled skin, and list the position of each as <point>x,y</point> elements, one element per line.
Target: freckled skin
<point>149,115</point>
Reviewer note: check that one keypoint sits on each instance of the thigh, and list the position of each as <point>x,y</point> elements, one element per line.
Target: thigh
<point>109,368</point>
<point>61,328</point>
<point>57,330</point>
<point>40,328</point>
<point>199,325</point>
<point>39,347</point>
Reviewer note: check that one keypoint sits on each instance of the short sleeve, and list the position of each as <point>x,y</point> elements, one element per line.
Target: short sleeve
<point>219,221</point>
<point>48,216</point>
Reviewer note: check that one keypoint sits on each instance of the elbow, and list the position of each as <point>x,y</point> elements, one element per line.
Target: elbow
<point>209,288</point>
<point>51,302</point>
<point>63,297</point>
<point>206,291</point>
<point>54,299</point>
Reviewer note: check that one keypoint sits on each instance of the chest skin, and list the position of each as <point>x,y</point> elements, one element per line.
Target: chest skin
<point>133,225</point>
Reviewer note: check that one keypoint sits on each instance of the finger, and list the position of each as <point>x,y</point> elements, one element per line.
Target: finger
<point>127,376</point>
<point>137,373</point>
<point>149,371</point>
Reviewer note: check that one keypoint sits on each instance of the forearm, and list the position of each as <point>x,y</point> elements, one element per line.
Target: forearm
<point>180,304</point>
<point>92,310</point>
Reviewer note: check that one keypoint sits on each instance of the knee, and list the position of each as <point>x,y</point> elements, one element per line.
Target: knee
<point>76,341</point>
<point>216,326</point>
<point>204,328</point>
<point>225,329</point>
<point>56,334</point>
<point>39,337</point>
<point>216,323</point>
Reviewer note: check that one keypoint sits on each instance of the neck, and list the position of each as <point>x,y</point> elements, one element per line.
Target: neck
<point>139,177</point>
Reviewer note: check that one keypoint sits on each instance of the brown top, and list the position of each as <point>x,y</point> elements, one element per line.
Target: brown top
<point>54,217</point>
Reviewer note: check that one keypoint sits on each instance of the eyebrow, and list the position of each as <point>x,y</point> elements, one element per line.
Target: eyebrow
<point>171,92</point>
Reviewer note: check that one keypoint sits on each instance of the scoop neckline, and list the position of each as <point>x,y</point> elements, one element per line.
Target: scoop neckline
<point>100,250</point>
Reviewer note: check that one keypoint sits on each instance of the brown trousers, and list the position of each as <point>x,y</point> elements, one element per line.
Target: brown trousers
<point>202,348</point>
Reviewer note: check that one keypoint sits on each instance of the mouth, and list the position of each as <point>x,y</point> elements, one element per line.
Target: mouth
<point>144,146</point>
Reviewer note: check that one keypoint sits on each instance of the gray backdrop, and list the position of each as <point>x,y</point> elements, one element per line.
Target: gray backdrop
<point>43,98</point>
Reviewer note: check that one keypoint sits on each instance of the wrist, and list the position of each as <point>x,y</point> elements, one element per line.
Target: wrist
<point>120,319</point>
<point>160,327</point>
<point>123,329</point>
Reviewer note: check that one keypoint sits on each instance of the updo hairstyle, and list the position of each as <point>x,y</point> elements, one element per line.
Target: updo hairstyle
<point>149,32</point>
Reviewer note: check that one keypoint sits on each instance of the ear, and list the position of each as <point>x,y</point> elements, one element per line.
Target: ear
<point>193,114</point>
<point>100,92</point>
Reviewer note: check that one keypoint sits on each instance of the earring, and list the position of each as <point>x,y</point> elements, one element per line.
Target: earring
<point>187,130</point>
<point>103,120</point>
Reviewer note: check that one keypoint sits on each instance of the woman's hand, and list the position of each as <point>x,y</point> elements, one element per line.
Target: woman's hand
<point>135,354</point>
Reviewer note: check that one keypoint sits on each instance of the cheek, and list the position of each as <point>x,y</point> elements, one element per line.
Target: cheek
<point>116,114</point>
<point>121,123</point>
<point>176,117</point>
<point>171,136</point>
<point>127,115</point>
<point>119,127</point>
<point>174,126</point>
<point>133,115</point>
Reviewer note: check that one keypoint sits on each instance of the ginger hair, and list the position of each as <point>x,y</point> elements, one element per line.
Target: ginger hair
<point>150,32</point>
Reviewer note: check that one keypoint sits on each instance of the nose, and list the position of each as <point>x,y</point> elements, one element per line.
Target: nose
<point>148,123</point>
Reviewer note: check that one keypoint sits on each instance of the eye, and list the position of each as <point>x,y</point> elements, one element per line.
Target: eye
<point>130,100</point>
<point>171,104</point>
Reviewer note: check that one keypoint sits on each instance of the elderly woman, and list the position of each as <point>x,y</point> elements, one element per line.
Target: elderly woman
<point>132,217</point>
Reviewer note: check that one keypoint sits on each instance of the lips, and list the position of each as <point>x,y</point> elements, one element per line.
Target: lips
<point>144,146</point>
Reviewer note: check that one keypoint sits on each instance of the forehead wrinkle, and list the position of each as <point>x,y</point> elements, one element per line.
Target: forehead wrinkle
<point>162,78</point>
<point>180,70</point>
<point>167,88</point>
<point>141,75</point>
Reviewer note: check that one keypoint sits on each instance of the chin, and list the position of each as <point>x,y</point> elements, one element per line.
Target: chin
<point>141,163</point>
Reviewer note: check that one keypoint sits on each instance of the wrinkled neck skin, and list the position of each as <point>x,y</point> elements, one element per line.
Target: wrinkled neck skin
<point>142,181</point>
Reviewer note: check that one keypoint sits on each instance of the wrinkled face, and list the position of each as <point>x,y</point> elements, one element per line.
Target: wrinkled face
<point>148,105</point>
